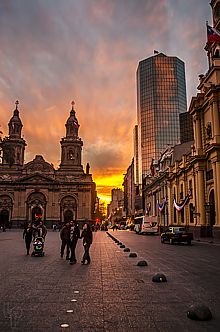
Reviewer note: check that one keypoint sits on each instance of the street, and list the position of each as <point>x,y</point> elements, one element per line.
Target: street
<point>112,293</point>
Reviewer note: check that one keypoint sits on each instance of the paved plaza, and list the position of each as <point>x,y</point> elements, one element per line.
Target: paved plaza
<point>111,294</point>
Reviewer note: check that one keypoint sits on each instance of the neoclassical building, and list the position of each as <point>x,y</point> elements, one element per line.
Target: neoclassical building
<point>189,182</point>
<point>37,188</point>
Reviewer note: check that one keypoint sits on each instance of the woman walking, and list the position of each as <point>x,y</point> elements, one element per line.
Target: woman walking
<point>74,235</point>
<point>27,235</point>
<point>87,241</point>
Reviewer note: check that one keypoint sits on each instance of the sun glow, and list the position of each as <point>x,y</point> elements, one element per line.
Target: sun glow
<point>104,185</point>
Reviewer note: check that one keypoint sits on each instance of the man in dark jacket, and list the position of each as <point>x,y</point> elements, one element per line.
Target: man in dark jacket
<point>27,235</point>
<point>65,238</point>
<point>87,241</point>
<point>74,235</point>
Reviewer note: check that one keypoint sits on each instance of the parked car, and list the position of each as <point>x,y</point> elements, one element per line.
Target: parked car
<point>176,234</point>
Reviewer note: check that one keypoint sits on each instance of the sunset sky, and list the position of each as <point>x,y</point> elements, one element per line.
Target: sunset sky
<point>53,52</point>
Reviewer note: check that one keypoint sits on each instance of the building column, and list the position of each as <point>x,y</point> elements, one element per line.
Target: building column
<point>198,137</point>
<point>216,122</point>
<point>170,205</point>
<point>201,198</point>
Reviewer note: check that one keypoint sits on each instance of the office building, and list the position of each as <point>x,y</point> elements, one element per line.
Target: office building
<point>161,97</point>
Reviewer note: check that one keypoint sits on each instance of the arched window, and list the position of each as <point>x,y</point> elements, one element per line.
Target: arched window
<point>68,207</point>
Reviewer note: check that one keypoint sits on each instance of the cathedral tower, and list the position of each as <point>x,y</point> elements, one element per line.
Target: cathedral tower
<point>13,146</point>
<point>71,146</point>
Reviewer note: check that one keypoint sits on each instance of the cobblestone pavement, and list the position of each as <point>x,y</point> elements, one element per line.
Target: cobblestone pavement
<point>111,294</point>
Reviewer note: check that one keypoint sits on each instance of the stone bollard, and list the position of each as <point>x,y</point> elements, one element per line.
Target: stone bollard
<point>127,250</point>
<point>199,312</point>
<point>159,277</point>
<point>142,263</point>
<point>133,254</point>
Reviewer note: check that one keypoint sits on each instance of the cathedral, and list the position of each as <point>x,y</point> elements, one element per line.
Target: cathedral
<point>36,189</point>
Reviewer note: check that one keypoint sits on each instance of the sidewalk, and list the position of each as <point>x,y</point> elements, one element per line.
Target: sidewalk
<point>207,240</point>
<point>112,294</point>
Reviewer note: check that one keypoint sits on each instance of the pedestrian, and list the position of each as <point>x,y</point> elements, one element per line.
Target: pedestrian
<point>65,238</point>
<point>41,230</point>
<point>87,241</point>
<point>74,236</point>
<point>27,235</point>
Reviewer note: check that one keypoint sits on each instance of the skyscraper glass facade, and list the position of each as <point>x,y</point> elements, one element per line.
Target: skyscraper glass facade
<point>161,97</point>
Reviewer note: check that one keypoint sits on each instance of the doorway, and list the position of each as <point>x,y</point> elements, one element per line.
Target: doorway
<point>36,214</point>
<point>68,216</point>
<point>4,219</point>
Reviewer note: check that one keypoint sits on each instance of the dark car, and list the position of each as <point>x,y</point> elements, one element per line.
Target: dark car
<point>176,234</point>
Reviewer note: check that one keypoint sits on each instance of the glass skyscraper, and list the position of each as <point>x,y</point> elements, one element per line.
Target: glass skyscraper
<point>161,97</point>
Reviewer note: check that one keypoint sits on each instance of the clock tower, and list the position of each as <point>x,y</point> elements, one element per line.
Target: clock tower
<point>71,146</point>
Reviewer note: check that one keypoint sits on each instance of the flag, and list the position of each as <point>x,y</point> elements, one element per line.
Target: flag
<point>213,35</point>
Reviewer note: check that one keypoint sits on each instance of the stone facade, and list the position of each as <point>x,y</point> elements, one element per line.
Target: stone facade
<point>37,188</point>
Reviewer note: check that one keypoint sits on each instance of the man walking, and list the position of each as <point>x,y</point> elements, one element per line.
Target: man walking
<point>65,238</point>
<point>74,235</point>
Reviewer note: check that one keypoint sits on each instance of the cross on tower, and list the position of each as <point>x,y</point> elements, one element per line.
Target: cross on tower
<point>17,103</point>
<point>73,103</point>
